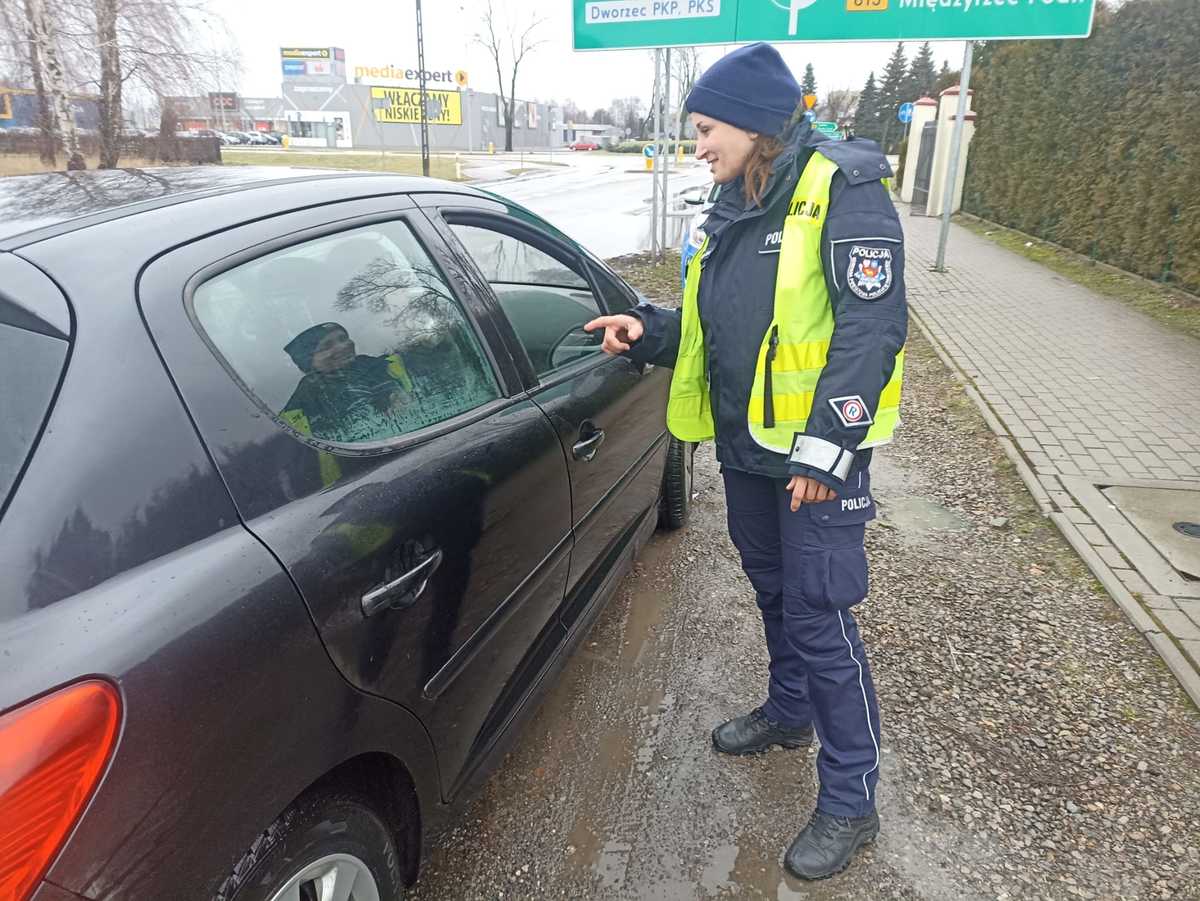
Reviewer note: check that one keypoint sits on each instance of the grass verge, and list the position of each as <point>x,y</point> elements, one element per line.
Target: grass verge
<point>1175,309</point>
<point>658,281</point>
<point>439,167</point>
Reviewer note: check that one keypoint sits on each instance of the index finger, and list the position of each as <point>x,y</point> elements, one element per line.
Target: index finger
<point>600,322</point>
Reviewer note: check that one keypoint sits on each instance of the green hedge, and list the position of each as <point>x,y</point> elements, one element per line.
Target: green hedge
<point>1095,144</point>
<point>637,146</point>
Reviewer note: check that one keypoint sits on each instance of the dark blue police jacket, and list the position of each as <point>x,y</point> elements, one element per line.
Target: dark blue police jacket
<point>737,295</point>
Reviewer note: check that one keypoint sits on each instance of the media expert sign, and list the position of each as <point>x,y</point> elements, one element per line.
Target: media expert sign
<point>619,24</point>
<point>402,106</point>
<point>311,53</point>
<point>400,73</point>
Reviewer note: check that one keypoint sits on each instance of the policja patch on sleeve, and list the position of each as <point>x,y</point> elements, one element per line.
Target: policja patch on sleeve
<point>869,273</point>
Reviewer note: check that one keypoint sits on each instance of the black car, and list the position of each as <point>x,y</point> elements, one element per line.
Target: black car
<point>308,483</point>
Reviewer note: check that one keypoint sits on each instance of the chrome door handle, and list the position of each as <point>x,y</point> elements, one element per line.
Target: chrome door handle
<point>404,591</point>
<point>585,449</point>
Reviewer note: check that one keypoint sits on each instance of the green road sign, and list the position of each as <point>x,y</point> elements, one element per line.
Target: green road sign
<point>621,24</point>
<point>828,128</point>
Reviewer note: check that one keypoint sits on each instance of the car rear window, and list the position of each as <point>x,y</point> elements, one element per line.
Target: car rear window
<point>30,365</point>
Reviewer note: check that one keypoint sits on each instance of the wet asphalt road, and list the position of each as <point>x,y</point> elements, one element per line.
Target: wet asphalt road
<point>601,200</point>
<point>1002,670</point>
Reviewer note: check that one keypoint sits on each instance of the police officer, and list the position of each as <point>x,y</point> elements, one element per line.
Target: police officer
<point>788,350</point>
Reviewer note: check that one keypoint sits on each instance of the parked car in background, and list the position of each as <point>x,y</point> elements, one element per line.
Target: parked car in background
<point>584,145</point>
<point>213,133</point>
<point>304,495</point>
<point>702,197</point>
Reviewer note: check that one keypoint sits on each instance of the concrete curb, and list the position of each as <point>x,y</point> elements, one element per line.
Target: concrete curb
<point>1177,663</point>
<point>1129,605</point>
<point>1028,476</point>
<point>1134,612</point>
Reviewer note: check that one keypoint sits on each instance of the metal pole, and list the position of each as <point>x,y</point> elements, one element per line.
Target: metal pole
<point>964,87</point>
<point>666,147</point>
<point>654,167</point>
<point>424,95</point>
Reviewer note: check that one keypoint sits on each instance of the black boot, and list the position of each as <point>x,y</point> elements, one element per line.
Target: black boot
<point>753,732</point>
<point>827,844</point>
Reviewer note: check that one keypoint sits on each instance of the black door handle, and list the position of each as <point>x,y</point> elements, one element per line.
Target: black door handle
<point>404,591</point>
<point>590,439</point>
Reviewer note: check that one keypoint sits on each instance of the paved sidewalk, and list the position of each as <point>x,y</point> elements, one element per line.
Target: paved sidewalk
<point>1085,394</point>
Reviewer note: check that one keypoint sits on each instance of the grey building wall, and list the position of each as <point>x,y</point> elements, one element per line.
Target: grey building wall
<point>481,120</point>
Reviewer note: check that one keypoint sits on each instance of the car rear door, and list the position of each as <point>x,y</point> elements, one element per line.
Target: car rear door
<point>374,434</point>
<point>608,411</point>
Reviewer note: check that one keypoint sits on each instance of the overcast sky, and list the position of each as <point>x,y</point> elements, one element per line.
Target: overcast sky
<point>381,33</point>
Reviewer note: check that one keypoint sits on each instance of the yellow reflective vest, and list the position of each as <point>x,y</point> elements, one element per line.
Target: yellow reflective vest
<point>794,348</point>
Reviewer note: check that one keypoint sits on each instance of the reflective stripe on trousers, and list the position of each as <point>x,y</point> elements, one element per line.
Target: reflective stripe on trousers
<point>808,568</point>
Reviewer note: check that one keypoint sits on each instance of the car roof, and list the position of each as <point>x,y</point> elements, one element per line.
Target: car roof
<point>33,207</point>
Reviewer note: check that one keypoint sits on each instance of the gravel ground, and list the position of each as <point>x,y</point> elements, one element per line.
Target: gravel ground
<point>1034,745</point>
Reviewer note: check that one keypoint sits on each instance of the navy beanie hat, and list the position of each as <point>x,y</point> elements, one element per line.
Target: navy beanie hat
<point>752,88</point>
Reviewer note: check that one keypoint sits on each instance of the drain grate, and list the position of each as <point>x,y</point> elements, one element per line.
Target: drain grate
<point>1190,529</point>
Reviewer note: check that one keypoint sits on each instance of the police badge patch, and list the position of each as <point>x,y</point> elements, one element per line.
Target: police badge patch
<point>869,274</point>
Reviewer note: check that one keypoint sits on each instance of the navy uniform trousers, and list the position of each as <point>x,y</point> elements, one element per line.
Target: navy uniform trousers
<point>808,568</point>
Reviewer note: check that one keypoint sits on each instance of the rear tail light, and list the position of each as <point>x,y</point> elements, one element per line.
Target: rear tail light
<point>52,754</point>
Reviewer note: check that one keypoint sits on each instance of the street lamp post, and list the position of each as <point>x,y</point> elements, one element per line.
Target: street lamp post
<point>964,86</point>
<point>424,95</point>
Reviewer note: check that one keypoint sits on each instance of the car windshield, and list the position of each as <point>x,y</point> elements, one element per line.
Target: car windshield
<point>29,368</point>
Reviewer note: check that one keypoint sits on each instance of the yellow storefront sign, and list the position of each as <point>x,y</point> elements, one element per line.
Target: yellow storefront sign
<point>403,106</point>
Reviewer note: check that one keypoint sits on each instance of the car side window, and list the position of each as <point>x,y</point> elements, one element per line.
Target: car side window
<point>546,299</point>
<point>617,298</point>
<point>350,338</point>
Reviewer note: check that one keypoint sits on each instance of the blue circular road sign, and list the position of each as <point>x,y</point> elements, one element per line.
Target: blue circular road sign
<point>648,150</point>
<point>904,113</point>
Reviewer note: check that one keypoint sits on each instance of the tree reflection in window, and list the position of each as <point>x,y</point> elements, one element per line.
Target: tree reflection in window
<point>374,344</point>
<point>448,371</point>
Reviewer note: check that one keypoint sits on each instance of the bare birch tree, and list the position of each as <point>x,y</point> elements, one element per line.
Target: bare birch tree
<point>685,68</point>
<point>14,55</point>
<point>839,106</point>
<point>497,37</point>
<point>155,48</point>
<point>46,60</point>
<point>22,66</point>
<point>109,50</point>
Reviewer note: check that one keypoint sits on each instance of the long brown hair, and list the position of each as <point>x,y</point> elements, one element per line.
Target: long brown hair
<point>758,167</point>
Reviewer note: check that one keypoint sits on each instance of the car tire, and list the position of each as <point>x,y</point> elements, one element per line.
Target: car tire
<point>327,835</point>
<point>676,495</point>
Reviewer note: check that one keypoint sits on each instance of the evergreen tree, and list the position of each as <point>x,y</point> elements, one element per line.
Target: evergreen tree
<point>946,78</point>
<point>1104,166</point>
<point>866,117</point>
<point>890,94</point>
<point>809,84</point>
<point>921,75</point>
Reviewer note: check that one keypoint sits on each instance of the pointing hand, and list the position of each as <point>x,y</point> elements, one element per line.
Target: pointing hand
<point>620,332</point>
